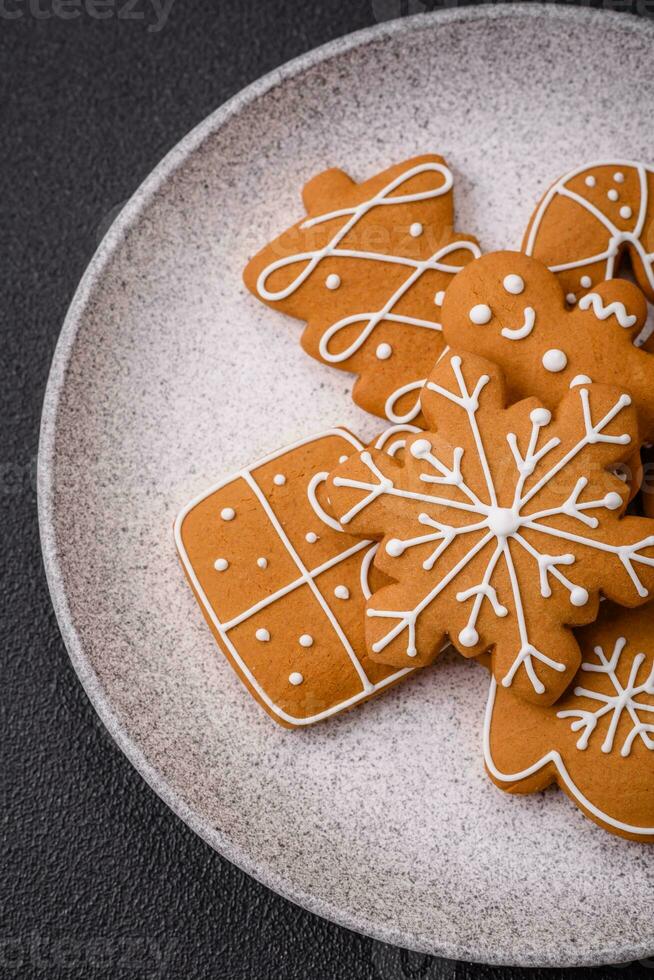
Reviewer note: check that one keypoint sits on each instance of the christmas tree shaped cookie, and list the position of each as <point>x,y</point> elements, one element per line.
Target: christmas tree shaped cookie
<point>367,269</point>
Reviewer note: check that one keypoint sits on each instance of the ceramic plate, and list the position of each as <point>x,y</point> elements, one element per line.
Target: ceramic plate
<point>169,376</point>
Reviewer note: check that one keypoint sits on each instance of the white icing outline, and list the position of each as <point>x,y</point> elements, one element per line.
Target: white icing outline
<point>499,523</point>
<point>555,759</point>
<point>618,238</point>
<point>370,320</point>
<point>306,577</point>
<point>604,310</point>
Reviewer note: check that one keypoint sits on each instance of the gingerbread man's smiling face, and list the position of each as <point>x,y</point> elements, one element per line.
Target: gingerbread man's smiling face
<point>510,308</point>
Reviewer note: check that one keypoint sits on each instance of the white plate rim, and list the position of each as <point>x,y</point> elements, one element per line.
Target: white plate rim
<point>127,218</point>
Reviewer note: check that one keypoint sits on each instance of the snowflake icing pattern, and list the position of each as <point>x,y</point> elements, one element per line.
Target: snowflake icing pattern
<point>622,700</point>
<point>494,523</point>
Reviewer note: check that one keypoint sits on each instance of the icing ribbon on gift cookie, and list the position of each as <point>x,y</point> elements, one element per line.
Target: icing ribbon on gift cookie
<point>597,742</point>
<point>501,528</point>
<point>589,218</point>
<point>367,271</point>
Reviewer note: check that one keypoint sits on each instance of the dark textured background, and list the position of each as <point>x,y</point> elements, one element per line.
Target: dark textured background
<point>98,878</point>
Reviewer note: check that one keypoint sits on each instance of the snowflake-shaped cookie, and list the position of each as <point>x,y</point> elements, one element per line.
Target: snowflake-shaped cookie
<point>500,529</point>
<point>597,742</point>
<point>367,270</point>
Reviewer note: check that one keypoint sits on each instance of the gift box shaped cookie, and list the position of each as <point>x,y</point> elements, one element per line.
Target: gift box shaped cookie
<point>282,587</point>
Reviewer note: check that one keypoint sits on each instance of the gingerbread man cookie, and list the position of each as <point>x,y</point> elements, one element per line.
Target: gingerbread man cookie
<point>282,588</point>
<point>589,219</point>
<point>510,308</point>
<point>367,270</point>
<point>597,742</point>
<point>501,528</point>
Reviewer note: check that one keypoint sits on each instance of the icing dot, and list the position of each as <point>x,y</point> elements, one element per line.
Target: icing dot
<point>481,314</point>
<point>590,181</point>
<point>514,284</point>
<point>586,282</point>
<point>279,479</point>
<point>306,640</point>
<point>394,547</point>
<point>295,678</point>
<point>612,194</point>
<point>384,351</point>
<point>343,459</point>
<point>540,416</point>
<point>571,298</point>
<point>612,501</point>
<point>468,637</point>
<point>333,281</point>
<point>221,564</point>
<point>311,537</point>
<point>415,230</point>
<point>554,360</point>
<point>420,448</point>
<point>439,297</point>
<point>262,562</point>
<point>342,592</point>
<point>262,635</point>
<point>578,596</point>
<point>580,379</point>
<point>625,211</point>
<point>228,513</point>
<point>618,178</point>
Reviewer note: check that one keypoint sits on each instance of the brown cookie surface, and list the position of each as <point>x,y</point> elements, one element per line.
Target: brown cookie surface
<point>366,269</point>
<point>597,742</point>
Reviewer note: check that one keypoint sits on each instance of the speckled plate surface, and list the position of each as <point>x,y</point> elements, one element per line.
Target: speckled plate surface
<point>169,376</point>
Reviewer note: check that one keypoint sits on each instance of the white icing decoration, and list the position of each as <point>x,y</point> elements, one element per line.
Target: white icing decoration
<point>625,211</point>
<point>342,592</point>
<point>311,537</point>
<point>416,268</point>
<point>580,379</point>
<point>590,181</point>
<point>550,758</point>
<point>228,513</point>
<point>571,298</point>
<point>415,230</point>
<point>481,314</point>
<point>394,398</point>
<point>617,238</point>
<point>612,194</point>
<point>519,333</point>
<point>554,360</point>
<point>295,678</point>
<point>262,635</point>
<point>402,430</point>
<point>306,640</point>
<point>306,577</point>
<point>221,564</point>
<point>439,297</point>
<point>262,562</point>
<point>618,178</point>
<point>342,459</point>
<point>603,311</point>
<point>279,479</point>
<point>333,281</point>
<point>514,284</point>
<point>586,282</point>
<point>383,352</point>
<point>623,700</point>
<point>490,522</point>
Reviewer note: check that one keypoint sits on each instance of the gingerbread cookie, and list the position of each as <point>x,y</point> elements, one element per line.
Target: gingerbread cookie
<point>510,308</point>
<point>501,528</point>
<point>367,270</point>
<point>589,219</point>
<point>282,587</point>
<point>597,742</point>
